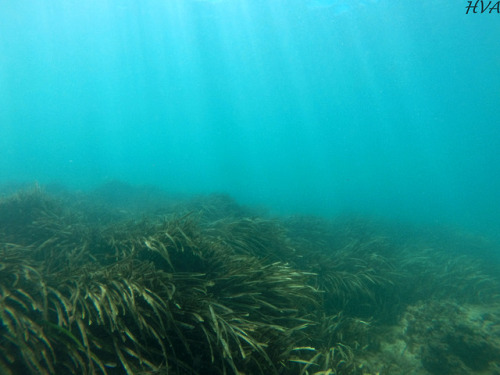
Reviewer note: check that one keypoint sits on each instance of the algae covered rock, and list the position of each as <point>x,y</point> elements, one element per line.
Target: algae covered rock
<point>453,339</point>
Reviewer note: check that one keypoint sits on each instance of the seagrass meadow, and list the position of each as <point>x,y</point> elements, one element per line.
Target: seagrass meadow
<point>125,280</point>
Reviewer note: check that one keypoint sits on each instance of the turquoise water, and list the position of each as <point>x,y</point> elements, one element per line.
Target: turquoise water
<point>304,106</point>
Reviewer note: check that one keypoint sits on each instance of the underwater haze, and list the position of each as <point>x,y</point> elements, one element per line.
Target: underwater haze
<point>304,106</point>
<point>260,187</point>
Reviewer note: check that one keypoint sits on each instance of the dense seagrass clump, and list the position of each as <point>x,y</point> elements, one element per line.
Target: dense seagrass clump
<point>89,285</point>
<point>155,294</point>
